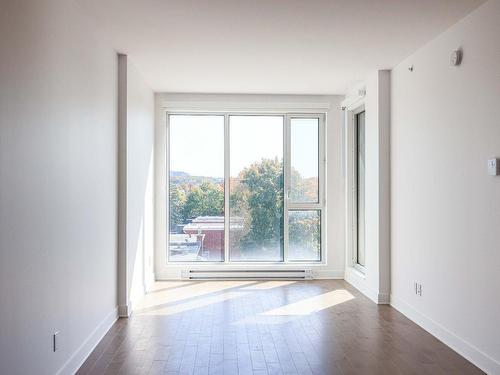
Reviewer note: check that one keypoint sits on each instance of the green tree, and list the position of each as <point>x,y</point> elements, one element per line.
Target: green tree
<point>304,232</point>
<point>303,189</point>
<point>177,201</point>
<point>263,185</point>
<point>206,199</point>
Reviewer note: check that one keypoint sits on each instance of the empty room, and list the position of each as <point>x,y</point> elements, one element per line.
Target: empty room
<point>250,187</point>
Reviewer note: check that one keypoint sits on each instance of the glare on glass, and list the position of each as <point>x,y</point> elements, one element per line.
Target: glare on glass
<point>304,233</point>
<point>196,188</point>
<point>256,188</point>
<point>304,187</point>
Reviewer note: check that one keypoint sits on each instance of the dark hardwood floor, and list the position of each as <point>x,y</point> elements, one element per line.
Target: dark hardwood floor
<point>268,327</point>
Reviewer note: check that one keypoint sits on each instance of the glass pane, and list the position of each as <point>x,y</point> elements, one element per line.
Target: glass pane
<point>196,188</point>
<point>256,188</point>
<point>304,160</point>
<point>304,235</point>
<point>361,187</point>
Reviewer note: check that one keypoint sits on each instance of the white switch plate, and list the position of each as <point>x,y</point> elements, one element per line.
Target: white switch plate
<point>494,167</point>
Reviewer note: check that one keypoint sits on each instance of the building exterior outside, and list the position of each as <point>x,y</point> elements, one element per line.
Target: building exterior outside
<point>201,239</point>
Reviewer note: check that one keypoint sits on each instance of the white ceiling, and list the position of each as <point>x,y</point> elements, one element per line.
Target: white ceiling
<point>268,46</point>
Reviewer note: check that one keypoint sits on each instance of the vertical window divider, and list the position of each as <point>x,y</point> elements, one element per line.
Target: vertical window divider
<point>322,183</point>
<point>354,161</point>
<point>286,183</point>
<point>167,185</point>
<point>227,175</point>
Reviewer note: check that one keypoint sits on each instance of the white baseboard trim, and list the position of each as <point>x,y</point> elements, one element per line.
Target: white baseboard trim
<point>358,280</point>
<point>462,347</point>
<point>81,354</point>
<point>124,311</point>
<point>174,274</point>
<point>328,274</point>
<point>360,284</point>
<point>384,298</point>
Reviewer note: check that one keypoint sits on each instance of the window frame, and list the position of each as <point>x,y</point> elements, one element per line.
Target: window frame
<point>352,185</point>
<point>227,178</point>
<point>167,160</point>
<point>320,205</point>
<point>288,206</point>
<point>357,264</point>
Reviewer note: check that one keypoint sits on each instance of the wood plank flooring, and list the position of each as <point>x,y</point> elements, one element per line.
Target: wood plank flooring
<point>268,327</point>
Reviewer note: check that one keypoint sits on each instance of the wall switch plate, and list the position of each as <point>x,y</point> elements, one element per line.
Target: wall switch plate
<point>55,341</point>
<point>494,167</point>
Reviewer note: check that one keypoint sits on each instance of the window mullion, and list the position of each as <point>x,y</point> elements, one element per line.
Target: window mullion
<point>304,206</point>
<point>226,189</point>
<point>286,184</point>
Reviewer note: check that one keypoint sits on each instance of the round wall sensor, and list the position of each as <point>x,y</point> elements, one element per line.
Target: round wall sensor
<point>456,57</point>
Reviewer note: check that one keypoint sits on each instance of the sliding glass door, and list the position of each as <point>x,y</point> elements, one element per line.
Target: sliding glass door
<point>245,188</point>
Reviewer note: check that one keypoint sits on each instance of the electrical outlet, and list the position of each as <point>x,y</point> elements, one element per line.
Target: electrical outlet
<point>494,167</point>
<point>55,341</point>
<point>418,289</point>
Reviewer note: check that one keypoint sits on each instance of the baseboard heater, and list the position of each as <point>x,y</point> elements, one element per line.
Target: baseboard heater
<point>297,274</point>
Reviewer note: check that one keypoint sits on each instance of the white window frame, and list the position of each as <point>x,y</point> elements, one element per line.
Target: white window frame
<point>288,206</point>
<point>351,185</point>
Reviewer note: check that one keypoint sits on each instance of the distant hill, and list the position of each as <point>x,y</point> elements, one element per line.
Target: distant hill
<point>178,174</point>
<point>180,178</point>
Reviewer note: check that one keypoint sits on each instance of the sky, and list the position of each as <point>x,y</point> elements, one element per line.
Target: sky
<point>197,143</point>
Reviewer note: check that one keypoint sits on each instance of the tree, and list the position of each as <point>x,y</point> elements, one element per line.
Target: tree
<point>263,198</point>
<point>304,232</point>
<point>303,189</point>
<point>177,201</point>
<point>206,199</point>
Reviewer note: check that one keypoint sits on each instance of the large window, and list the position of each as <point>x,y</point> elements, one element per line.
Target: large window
<point>245,188</point>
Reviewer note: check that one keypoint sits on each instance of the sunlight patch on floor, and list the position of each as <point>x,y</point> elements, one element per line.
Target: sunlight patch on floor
<point>160,286</point>
<point>263,285</point>
<point>194,304</point>
<point>197,289</point>
<point>313,304</point>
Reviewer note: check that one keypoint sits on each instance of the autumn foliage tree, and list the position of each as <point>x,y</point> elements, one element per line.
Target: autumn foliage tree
<point>204,200</point>
<point>188,202</point>
<point>259,200</point>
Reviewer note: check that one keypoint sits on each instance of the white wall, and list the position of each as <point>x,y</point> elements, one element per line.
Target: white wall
<point>445,208</point>
<point>334,268</point>
<point>136,176</point>
<point>374,280</point>
<point>58,186</point>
